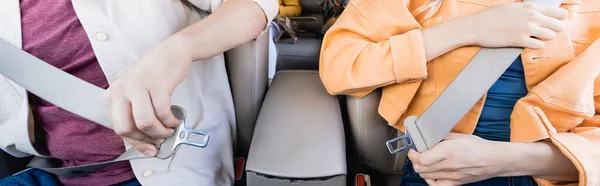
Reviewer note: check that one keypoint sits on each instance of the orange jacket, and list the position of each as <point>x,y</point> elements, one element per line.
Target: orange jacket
<point>379,44</point>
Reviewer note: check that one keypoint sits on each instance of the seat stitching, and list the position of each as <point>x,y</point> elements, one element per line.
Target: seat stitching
<point>254,116</point>
<point>361,128</point>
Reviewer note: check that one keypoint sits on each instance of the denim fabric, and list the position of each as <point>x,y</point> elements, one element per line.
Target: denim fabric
<point>412,178</point>
<point>31,177</point>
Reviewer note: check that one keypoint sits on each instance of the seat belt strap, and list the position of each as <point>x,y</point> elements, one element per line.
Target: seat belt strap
<point>82,98</point>
<point>459,97</point>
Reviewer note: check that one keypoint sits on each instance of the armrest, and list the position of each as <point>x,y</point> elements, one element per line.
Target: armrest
<point>299,134</point>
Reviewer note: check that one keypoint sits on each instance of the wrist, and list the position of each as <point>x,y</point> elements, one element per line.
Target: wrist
<point>498,162</point>
<point>539,159</point>
<point>516,159</point>
<point>179,45</point>
<point>461,32</point>
<point>466,27</point>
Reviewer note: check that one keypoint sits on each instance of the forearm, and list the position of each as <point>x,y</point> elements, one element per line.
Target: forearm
<point>539,159</point>
<point>351,46</point>
<point>445,37</point>
<point>234,23</point>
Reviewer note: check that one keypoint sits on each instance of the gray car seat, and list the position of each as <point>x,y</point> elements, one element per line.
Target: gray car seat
<point>368,134</point>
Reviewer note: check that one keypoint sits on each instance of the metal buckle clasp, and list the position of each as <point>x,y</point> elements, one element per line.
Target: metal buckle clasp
<point>407,143</point>
<point>183,135</point>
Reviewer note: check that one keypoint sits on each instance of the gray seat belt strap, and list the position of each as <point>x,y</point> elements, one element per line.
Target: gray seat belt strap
<point>54,166</point>
<point>82,98</point>
<point>459,97</point>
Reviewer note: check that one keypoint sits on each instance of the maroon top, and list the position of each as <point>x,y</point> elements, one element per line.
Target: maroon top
<point>53,33</point>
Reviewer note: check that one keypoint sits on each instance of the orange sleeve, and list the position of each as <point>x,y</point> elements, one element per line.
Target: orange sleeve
<point>582,146</point>
<point>576,132</point>
<point>373,44</point>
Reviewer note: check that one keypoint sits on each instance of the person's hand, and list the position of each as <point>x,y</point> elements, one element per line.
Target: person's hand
<point>140,100</point>
<point>516,25</point>
<point>458,160</point>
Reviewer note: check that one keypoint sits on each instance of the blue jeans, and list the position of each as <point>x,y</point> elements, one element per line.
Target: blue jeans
<point>36,177</point>
<point>412,178</point>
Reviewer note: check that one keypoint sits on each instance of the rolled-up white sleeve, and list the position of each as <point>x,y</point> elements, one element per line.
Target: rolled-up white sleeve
<point>271,9</point>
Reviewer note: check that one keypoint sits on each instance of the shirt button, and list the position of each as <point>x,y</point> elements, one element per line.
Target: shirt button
<point>101,36</point>
<point>147,173</point>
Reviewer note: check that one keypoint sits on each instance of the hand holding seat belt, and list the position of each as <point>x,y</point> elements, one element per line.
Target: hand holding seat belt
<point>82,98</point>
<point>459,97</point>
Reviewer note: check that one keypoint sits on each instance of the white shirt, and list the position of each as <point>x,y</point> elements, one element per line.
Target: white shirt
<point>118,43</point>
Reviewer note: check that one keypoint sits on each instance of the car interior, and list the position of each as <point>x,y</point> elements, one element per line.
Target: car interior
<point>292,132</point>
<point>304,54</point>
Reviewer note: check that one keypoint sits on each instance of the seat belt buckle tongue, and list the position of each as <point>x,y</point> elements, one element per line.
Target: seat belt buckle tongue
<point>411,139</point>
<point>182,135</point>
<point>406,143</point>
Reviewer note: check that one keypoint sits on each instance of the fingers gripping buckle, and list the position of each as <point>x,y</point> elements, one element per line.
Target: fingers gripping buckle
<point>183,135</point>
